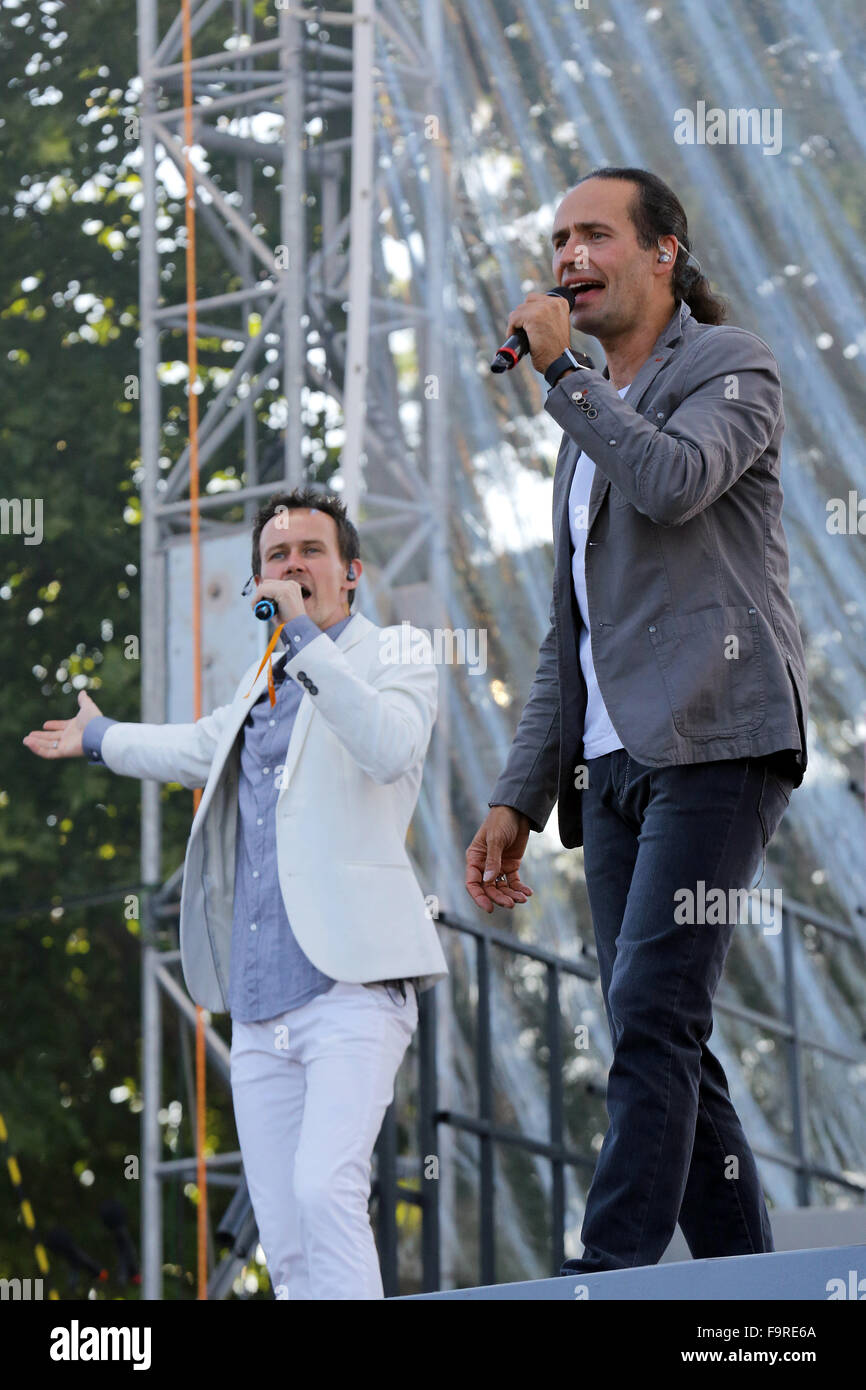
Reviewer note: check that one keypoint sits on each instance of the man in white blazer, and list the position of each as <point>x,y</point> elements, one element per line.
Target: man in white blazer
<point>300,912</point>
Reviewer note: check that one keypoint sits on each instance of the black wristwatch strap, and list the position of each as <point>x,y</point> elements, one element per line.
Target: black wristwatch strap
<point>567,361</point>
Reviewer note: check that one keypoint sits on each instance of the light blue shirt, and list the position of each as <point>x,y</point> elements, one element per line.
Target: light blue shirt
<point>268,972</point>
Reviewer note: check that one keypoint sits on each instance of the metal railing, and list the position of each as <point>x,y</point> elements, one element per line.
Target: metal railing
<point>396,1177</point>
<point>389,1188</point>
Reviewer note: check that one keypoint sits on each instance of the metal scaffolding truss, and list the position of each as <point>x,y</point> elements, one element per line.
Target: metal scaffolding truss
<point>291,319</point>
<point>373,185</point>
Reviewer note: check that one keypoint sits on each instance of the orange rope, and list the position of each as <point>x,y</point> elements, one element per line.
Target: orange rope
<point>192,361</point>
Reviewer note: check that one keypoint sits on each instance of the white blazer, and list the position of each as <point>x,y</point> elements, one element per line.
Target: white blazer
<point>352,774</point>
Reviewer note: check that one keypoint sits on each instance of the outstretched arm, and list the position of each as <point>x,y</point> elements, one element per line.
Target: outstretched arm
<point>165,752</point>
<point>62,738</point>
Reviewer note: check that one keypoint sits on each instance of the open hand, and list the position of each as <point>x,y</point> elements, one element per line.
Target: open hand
<point>61,738</point>
<point>495,855</point>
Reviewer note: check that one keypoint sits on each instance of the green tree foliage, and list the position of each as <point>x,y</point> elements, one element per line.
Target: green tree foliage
<point>69,436</point>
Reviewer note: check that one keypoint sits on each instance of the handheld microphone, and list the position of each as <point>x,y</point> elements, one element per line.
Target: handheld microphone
<point>517,345</point>
<point>265,608</point>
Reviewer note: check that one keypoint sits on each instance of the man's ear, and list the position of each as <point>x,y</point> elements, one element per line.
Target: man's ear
<point>667,250</point>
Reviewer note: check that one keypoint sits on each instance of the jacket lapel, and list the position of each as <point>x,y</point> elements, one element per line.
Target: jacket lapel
<point>242,705</point>
<point>352,633</point>
<point>646,376</point>
<point>570,451</point>
<point>662,348</point>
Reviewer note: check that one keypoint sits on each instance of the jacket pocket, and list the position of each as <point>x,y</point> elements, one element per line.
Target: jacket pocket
<point>713,673</point>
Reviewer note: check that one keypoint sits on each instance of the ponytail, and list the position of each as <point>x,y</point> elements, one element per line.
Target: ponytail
<point>691,285</point>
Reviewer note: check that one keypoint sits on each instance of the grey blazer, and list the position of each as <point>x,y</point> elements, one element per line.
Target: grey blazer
<point>685,551</point>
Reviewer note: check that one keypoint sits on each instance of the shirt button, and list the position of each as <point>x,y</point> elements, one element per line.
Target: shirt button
<point>252,926</point>
<point>255,873</point>
<point>259,821</point>
<point>296,639</point>
<point>265,771</point>
<point>611,441</point>
<point>272,722</point>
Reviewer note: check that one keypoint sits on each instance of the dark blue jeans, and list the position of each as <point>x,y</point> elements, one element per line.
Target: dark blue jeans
<point>649,834</point>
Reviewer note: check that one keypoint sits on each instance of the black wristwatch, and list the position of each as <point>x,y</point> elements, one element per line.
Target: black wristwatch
<point>567,362</point>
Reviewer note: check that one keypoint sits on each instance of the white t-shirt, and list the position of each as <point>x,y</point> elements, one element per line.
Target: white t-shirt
<point>599,735</point>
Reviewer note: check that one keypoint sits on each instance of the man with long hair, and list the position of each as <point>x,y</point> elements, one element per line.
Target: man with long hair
<point>668,711</point>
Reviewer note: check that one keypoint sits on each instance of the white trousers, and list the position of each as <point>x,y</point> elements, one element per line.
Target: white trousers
<point>310,1090</point>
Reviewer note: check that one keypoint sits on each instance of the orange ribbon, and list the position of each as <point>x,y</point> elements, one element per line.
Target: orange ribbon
<point>267,658</point>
